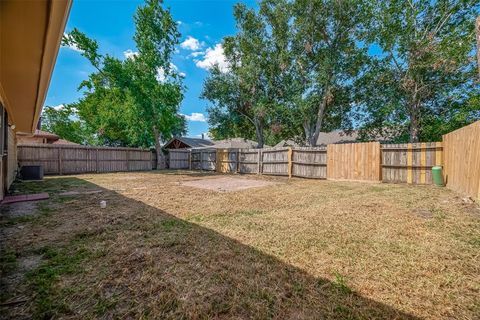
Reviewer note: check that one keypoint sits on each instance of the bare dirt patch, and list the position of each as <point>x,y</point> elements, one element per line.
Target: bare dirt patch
<point>227,184</point>
<point>19,209</point>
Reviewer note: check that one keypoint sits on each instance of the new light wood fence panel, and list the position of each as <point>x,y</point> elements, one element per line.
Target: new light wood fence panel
<point>275,161</point>
<point>461,151</point>
<point>354,161</point>
<point>83,159</point>
<point>227,160</point>
<point>179,159</point>
<point>309,162</point>
<point>410,162</point>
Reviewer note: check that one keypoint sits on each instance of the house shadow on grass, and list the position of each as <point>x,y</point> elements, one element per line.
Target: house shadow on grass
<point>132,260</point>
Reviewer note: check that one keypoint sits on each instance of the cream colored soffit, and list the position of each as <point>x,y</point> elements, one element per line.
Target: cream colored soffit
<point>30,36</point>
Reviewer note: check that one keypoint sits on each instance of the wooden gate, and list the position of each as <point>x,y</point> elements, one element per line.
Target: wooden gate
<point>354,161</point>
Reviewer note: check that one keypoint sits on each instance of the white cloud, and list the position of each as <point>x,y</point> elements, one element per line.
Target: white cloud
<point>162,75</point>
<point>72,46</point>
<point>213,56</point>
<point>195,116</point>
<point>196,54</point>
<point>130,54</point>
<point>179,22</point>
<point>191,44</point>
<point>59,107</point>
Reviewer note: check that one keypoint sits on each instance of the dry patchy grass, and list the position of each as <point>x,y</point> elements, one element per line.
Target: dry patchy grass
<point>297,249</point>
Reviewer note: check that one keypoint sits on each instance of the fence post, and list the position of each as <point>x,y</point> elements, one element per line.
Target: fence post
<point>60,164</point>
<point>438,154</point>
<point>409,163</point>
<point>96,161</point>
<point>260,167</point>
<point>190,160</point>
<point>237,165</point>
<point>289,156</point>
<point>201,160</point>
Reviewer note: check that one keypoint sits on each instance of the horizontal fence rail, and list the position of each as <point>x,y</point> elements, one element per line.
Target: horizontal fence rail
<point>66,159</point>
<point>410,162</point>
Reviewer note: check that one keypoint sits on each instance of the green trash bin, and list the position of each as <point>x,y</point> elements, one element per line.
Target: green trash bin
<point>437,176</point>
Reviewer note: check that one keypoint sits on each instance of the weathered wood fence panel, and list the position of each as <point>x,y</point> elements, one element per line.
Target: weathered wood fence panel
<point>461,150</point>
<point>66,159</point>
<point>354,161</point>
<point>274,162</point>
<point>410,162</point>
<point>179,159</point>
<point>249,161</point>
<point>204,159</point>
<point>309,162</point>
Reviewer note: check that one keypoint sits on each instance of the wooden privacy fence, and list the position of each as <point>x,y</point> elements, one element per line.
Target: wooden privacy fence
<point>410,162</point>
<point>407,163</point>
<point>459,154</point>
<point>66,159</point>
<point>297,162</point>
<point>462,160</point>
<point>354,161</point>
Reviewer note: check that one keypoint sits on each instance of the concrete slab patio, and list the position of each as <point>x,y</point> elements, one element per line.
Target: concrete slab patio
<point>227,184</point>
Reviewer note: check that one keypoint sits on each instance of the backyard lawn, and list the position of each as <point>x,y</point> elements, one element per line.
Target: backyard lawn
<point>285,249</point>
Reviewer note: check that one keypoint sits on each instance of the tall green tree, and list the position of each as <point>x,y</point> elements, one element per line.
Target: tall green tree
<point>422,83</point>
<point>64,122</point>
<point>139,96</point>
<point>292,66</point>
<point>326,60</point>
<point>243,92</point>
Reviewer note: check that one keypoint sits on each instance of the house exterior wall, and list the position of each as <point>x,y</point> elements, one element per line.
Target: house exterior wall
<point>12,163</point>
<point>8,163</point>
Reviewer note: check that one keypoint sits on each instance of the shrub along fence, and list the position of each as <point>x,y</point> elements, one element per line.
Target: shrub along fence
<point>459,154</point>
<point>73,159</point>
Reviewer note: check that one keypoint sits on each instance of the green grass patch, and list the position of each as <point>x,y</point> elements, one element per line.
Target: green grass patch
<point>48,299</point>
<point>341,284</point>
<point>8,261</point>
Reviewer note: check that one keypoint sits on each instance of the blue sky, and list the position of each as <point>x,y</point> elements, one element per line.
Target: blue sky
<point>202,23</point>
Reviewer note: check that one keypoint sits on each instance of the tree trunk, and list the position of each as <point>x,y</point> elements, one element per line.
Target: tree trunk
<point>414,126</point>
<point>414,116</point>
<point>477,28</point>
<point>259,132</point>
<point>308,129</point>
<point>158,149</point>
<point>320,113</point>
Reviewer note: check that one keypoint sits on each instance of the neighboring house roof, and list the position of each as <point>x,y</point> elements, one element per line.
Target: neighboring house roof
<point>188,143</point>
<point>45,134</point>
<point>324,138</point>
<point>239,143</point>
<point>40,134</point>
<point>336,136</point>
<point>195,143</point>
<point>52,138</point>
<point>63,141</point>
<point>287,143</point>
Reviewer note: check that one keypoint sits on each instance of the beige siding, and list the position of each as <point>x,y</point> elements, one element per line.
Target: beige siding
<point>12,163</point>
